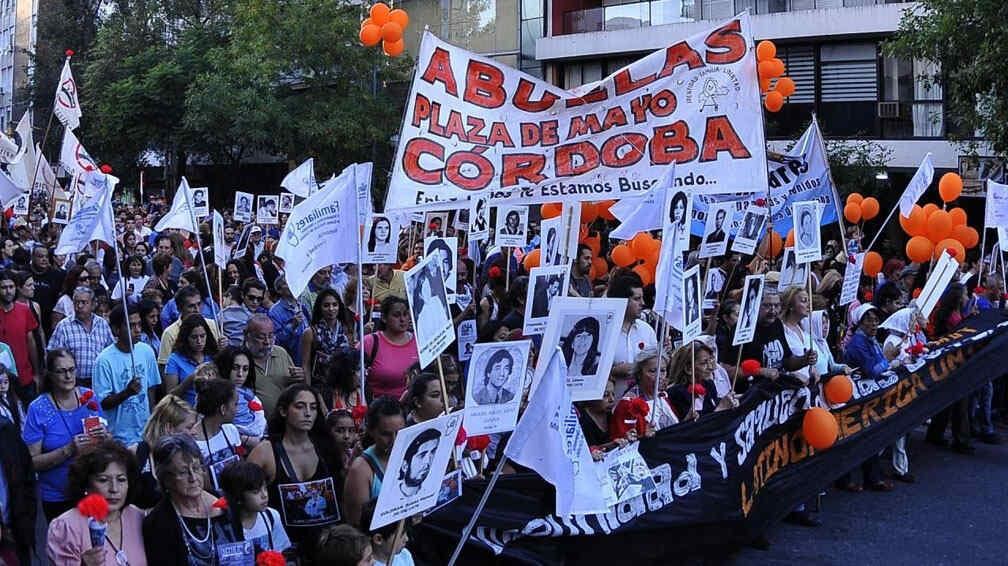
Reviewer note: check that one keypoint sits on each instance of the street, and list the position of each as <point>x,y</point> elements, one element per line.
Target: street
<point>952,515</point>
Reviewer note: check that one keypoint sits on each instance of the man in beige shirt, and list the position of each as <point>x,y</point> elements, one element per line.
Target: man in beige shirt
<point>386,282</point>
<point>275,370</point>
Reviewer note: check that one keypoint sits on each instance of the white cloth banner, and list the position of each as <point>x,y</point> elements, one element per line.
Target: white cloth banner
<point>918,184</point>
<point>46,177</point>
<point>548,439</point>
<point>92,221</point>
<point>996,209</point>
<point>9,191</point>
<point>362,174</point>
<point>180,215</point>
<point>74,158</point>
<point>322,231</point>
<point>66,106</point>
<point>301,180</point>
<point>12,149</point>
<point>473,126</point>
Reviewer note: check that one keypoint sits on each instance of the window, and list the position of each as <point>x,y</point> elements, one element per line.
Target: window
<point>920,108</point>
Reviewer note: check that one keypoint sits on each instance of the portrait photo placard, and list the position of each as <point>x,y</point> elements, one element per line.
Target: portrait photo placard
<point>286,203</point>
<point>432,322</point>
<point>546,284</point>
<point>494,386</point>
<point>309,503</point>
<point>22,204</point>
<point>807,241</point>
<point>416,469</point>
<point>446,252</point>
<point>479,219</point>
<point>435,224</point>
<point>750,231</point>
<point>242,207</point>
<point>752,295</point>
<point>551,242</point>
<point>267,211</point>
<point>719,223</point>
<point>381,239</point>
<point>792,273</point>
<point>200,201</point>
<point>851,279</point>
<point>677,212</point>
<point>61,211</point>
<point>466,339</point>
<point>629,473</point>
<point>586,331</point>
<point>692,303</point>
<point>512,226</point>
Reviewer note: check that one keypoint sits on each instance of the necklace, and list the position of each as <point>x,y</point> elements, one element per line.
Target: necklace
<point>120,551</point>
<point>189,534</point>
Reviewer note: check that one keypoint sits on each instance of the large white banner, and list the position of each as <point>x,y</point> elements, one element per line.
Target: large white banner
<point>996,209</point>
<point>321,231</point>
<point>66,106</point>
<point>474,125</point>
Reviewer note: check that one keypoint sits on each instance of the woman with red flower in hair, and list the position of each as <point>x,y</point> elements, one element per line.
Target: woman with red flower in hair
<point>691,389</point>
<point>595,418</point>
<point>633,411</point>
<point>54,429</point>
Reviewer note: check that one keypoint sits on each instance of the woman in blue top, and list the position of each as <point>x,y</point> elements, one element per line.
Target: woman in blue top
<point>864,350</point>
<point>385,418</point>
<point>150,324</point>
<point>54,429</point>
<point>194,346</point>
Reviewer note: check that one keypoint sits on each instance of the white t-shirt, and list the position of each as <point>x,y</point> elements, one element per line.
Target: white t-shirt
<point>638,338</point>
<point>65,306</point>
<point>404,558</point>
<point>221,450</point>
<point>268,533</point>
<point>135,285</point>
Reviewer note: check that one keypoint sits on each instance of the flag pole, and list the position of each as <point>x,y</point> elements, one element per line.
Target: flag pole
<point>479,509</point>
<point>360,300</point>
<point>199,243</point>
<point>125,303</point>
<point>882,227</point>
<point>829,173</point>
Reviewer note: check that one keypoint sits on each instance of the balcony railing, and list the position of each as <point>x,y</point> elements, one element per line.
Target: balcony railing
<point>635,15</point>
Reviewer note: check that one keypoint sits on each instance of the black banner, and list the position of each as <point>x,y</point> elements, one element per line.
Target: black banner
<point>723,479</point>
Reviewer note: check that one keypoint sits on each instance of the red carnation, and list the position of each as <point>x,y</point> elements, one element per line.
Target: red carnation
<point>241,451</point>
<point>106,168</point>
<point>221,503</point>
<point>359,412</point>
<point>495,272</point>
<point>86,396</point>
<point>461,437</point>
<point>270,558</point>
<point>92,405</point>
<point>979,290</point>
<point>93,506</point>
<point>478,443</point>
<point>916,292</point>
<point>697,389</point>
<point>760,202</point>
<point>356,317</point>
<point>89,168</point>
<point>952,252</point>
<point>254,405</point>
<point>432,226</point>
<point>750,367</point>
<point>69,52</point>
<point>639,408</point>
<point>868,296</point>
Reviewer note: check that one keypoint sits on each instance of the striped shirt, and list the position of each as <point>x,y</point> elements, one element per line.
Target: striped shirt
<point>71,334</point>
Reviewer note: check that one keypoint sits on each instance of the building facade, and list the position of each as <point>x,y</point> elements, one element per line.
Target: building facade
<point>833,49</point>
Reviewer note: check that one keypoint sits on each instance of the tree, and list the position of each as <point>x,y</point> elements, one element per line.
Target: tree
<point>970,44</point>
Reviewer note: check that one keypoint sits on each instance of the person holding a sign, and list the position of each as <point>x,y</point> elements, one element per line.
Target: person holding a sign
<point>691,391</point>
<point>627,415</point>
<point>384,420</point>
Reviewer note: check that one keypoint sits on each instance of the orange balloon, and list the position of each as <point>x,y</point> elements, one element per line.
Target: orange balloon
<point>365,22</point>
<point>785,86</point>
<point>764,84</point>
<point>852,212</point>
<point>393,49</point>
<point>789,240</point>
<point>370,35</point>
<point>839,389</point>
<point>916,224</point>
<point>930,209</point>
<point>954,247</point>
<point>939,226</point>
<point>772,245</point>
<point>603,210</point>
<point>869,208</point>
<point>391,32</point>
<point>765,50</point>
<point>819,428</point>
<point>645,273</point>
<point>958,216</point>
<point>650,255</point>
<point>950,186</point>
<point>595,243</point>
<point>965,235</point>
<point>379,13</point>
<point>599,267</point>
<point>778,67</point>
<point>622,256</point>
<point>550,210</point>
<point>532,259</point>
<point>773,101</point>
<point>855,198</point>
<point>639,244</point>
<point>400,17</point>
<point>770,69</point>
<point>919,249</point>
<point>872,264</point>
<point>589,212</point>
<point>974,238</point>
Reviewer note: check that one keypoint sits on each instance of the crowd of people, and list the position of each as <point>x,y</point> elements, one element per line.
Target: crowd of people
<point>218,413</point>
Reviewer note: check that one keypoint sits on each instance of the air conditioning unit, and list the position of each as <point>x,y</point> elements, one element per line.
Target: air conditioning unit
<point>888,110</point>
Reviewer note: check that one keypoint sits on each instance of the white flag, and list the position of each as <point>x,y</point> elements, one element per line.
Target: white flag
<point>321,231</point>
<point>642,214</point>
<point>917,185</point>
<point>301,181</point>
<point>9,191</point>
<point>66,106</point>
<point>220,251</point>
<point>181,213</point>
<point>363,180</point>
<point>549,440</point>
<point>45,180</point>
<point>92,221</point>
<point>74,158</point>
<point>996,207</point>
<point>12,149</point>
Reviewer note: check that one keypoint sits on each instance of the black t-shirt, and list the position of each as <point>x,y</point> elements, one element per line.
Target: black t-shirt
<point>48,287</point>
<point>768,346</point>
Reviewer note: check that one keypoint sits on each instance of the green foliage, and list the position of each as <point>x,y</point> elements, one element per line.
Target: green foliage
<point>854,164</point>
<point>970,43</point>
